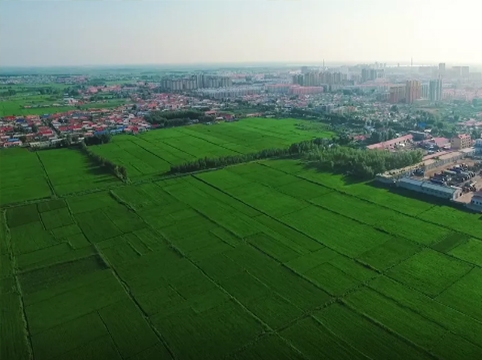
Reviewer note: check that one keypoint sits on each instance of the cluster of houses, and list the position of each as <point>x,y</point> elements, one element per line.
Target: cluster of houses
<point>16,130</point>
<point>99,121</point>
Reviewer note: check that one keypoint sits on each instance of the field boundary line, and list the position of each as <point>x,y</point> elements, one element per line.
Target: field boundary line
<point>49,182</point>
<point>150,152</point>
<point>378,325</point>
<point>18,287</point>
<point>342,343</point>
<point>128,292</point>
<point>388,329</point>
<point>423,294</point>
<point>217,145</point>
<point>453,283</point>
<point>434,320</point>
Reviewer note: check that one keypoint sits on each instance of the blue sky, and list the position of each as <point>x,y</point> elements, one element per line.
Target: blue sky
<point>44,33</point>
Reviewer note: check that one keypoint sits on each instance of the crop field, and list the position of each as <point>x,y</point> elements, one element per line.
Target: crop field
<point>265,260</point>
<point>69,171</point>
<point>21,177</point>
<point>38,105</point>
<point>154,152</point>
<point>26,175</point>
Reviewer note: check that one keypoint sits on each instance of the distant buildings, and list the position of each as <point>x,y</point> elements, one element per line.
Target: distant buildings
<point>461,141</point>
<point>397,94</point>
<point>232,92</point>
<point>441,69</point>
<point>425,91</point>
<point>194,82</point>
<point>293,89</point>
<point>435,90</point>
<point>368,74</point>
<point>315,78</point>
<point>413,91</point>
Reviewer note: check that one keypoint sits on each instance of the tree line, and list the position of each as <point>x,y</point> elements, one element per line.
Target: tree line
<point>176,118</point>
<point>325,154</point>
<point>98,139</point>
<point>117,170</point>
<point>361,164</point>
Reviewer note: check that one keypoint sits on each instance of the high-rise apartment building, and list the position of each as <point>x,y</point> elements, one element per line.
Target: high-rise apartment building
<point>413,91</point>
<point>435,90</point>
<point>441,68</point>
<point>397,94</point>
<point>425,91</point>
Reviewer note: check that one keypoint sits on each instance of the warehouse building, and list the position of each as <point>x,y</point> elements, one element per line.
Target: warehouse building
<point>425,187</point>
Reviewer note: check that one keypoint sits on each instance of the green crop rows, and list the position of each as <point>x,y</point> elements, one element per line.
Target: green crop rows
<point>153,153</point>
<point>264,260</point>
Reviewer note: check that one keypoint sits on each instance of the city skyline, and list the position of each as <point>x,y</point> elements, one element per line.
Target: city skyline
<point>214,32</point>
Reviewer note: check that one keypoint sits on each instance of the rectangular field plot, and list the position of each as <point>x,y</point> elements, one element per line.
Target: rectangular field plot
<point>65,306</point>
<point>454,347</point>
<point>138,160</point>
<point>130,331</point>
<point>465,295</point>
<point>56,218</point>
<point>390,253</point>
<point>212,334</point>
<point>264,175</point>
<point>315,341</point>
<point>366,337</point>
<point>429,271</point>
<point>25,182</point>
<point>445,316</point>
<point>470,251</point>
<point>68,336</point>
<point>30,237</point>
<point>455,219</point>
<point>22,215</point>
<point>14,344</point>
<point>90,202</point>
<point>335,231</point>
<point>295,289</point>
<point>268,346</point>
<point>70,171</point>
<point>405,322</point>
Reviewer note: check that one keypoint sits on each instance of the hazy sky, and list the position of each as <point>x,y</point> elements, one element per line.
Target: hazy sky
<point>68,32</point>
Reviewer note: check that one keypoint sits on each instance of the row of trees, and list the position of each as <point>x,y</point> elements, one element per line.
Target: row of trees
<point>176,118</point>
<point>98,139</point>
<point>360,163</point>
<point>213,163</point>
<point>324,154</point>
<point>117,170</point>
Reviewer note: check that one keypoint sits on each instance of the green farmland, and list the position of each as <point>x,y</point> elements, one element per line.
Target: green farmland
<point>26,176</point>
<point>154,152</point>
<point>268,249</point>
<point>265,260</point>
